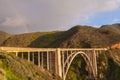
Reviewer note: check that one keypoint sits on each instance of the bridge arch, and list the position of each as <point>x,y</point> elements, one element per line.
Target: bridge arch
<point>70,59</point>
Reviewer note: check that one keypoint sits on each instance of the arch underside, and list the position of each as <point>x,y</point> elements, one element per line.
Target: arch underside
<point>70,59</point>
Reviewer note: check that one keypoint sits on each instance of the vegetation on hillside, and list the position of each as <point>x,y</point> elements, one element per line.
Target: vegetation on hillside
<point>37,39</point>
<point>78,70</point>
<point>3,36</point>
<point>79,37</point>
<point>46,40</point>
<point>108,67</point>
<point>111,62</point>
<point>13,68</point>
<point>87,36</point>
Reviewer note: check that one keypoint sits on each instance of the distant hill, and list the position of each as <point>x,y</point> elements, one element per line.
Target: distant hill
<point>112,28</point>
<point>82,36</point>
<point>3,36</point>
<point>87,36</point>
<point>37,39</point>
<point>78,36</point>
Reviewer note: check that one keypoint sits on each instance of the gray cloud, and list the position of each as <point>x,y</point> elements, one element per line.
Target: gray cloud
<point>46,15</point>
<point>16,21</point>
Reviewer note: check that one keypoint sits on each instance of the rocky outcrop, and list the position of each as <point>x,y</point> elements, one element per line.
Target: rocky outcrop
<point>116,46</point>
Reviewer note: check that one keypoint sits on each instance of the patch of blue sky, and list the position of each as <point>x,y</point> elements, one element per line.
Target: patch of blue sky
<point>104,18</point>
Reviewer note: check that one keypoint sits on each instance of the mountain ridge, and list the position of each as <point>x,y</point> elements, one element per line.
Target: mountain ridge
<point>77,36</point>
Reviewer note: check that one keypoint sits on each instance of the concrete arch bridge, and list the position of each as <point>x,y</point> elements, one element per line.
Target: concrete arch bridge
<point>58,60</point>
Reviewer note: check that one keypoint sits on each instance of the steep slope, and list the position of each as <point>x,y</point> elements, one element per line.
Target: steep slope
<point>113,27</point>
<point>113,65</point>
<point>37,39</point>
<point>46,40</point>
<point>86,36</point>
<point>13,68</point>
<point>3,36</point>
<point>78,36</point>
<point>112,32</point>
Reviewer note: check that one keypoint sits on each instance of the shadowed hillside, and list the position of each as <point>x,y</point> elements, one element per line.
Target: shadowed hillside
<point>113,27</point>
<point>46,40</point>
<point>78,36</point>
<point>37,39</point>
<point>82,36</point>
<point>3,36</point>
<point>113,65</point>
<point>87,36</point>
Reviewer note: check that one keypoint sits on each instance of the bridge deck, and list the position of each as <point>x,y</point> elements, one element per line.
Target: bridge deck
<point>19,49</point>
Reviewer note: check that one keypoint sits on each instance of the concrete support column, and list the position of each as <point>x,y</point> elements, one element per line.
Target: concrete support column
<point>28,56</point>
<point>58,65</point>
<point>33,57</point>
<point>16,54</point>
<point>22,55</point>
<point>47,60</point>
<point>95,63</point>
<point>38,59</point>
<point>62,63</point>
<point>50,60</point>
<point>42,59</point>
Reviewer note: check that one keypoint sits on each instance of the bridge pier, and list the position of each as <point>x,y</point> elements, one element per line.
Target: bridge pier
<point>22,55</point>
<point>33,57</point>
<point>47,60</point>
<point>42,59</point>
<point>62,64</point>
<point>95,63</point>
<point>28,56</point>
<point>38,59</point>
<point>58,65</point>
<point>16,53</point>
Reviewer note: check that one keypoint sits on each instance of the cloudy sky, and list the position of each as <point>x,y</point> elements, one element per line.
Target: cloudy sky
<point>22,16</point>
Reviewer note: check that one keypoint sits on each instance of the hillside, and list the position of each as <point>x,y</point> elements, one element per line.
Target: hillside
<point>87,36</point>
<point>13,68</point>
<point>78,36</point>
<point>112,70</point>
<point>37,39</point>
<point>113,27</point>
<point>3,36</point>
